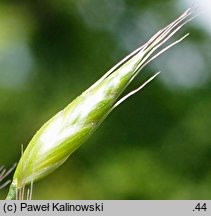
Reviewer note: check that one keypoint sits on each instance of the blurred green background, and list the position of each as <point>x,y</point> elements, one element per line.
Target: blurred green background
<point>157,145</point>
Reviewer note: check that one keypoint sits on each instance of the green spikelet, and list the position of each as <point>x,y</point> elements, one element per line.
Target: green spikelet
<point>68,129</point>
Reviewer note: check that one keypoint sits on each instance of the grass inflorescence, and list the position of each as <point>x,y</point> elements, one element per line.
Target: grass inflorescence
<point>58,138</point>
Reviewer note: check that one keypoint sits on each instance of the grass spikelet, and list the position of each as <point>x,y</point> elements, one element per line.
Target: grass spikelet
<point>58,138</point>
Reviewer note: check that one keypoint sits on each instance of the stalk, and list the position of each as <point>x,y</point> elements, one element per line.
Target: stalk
<point>58,138</point>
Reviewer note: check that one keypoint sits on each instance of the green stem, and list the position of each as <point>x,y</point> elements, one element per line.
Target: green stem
<point>12,192</point>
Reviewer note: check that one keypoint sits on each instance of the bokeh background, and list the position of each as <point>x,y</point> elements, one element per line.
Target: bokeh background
<point>157,145</point>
